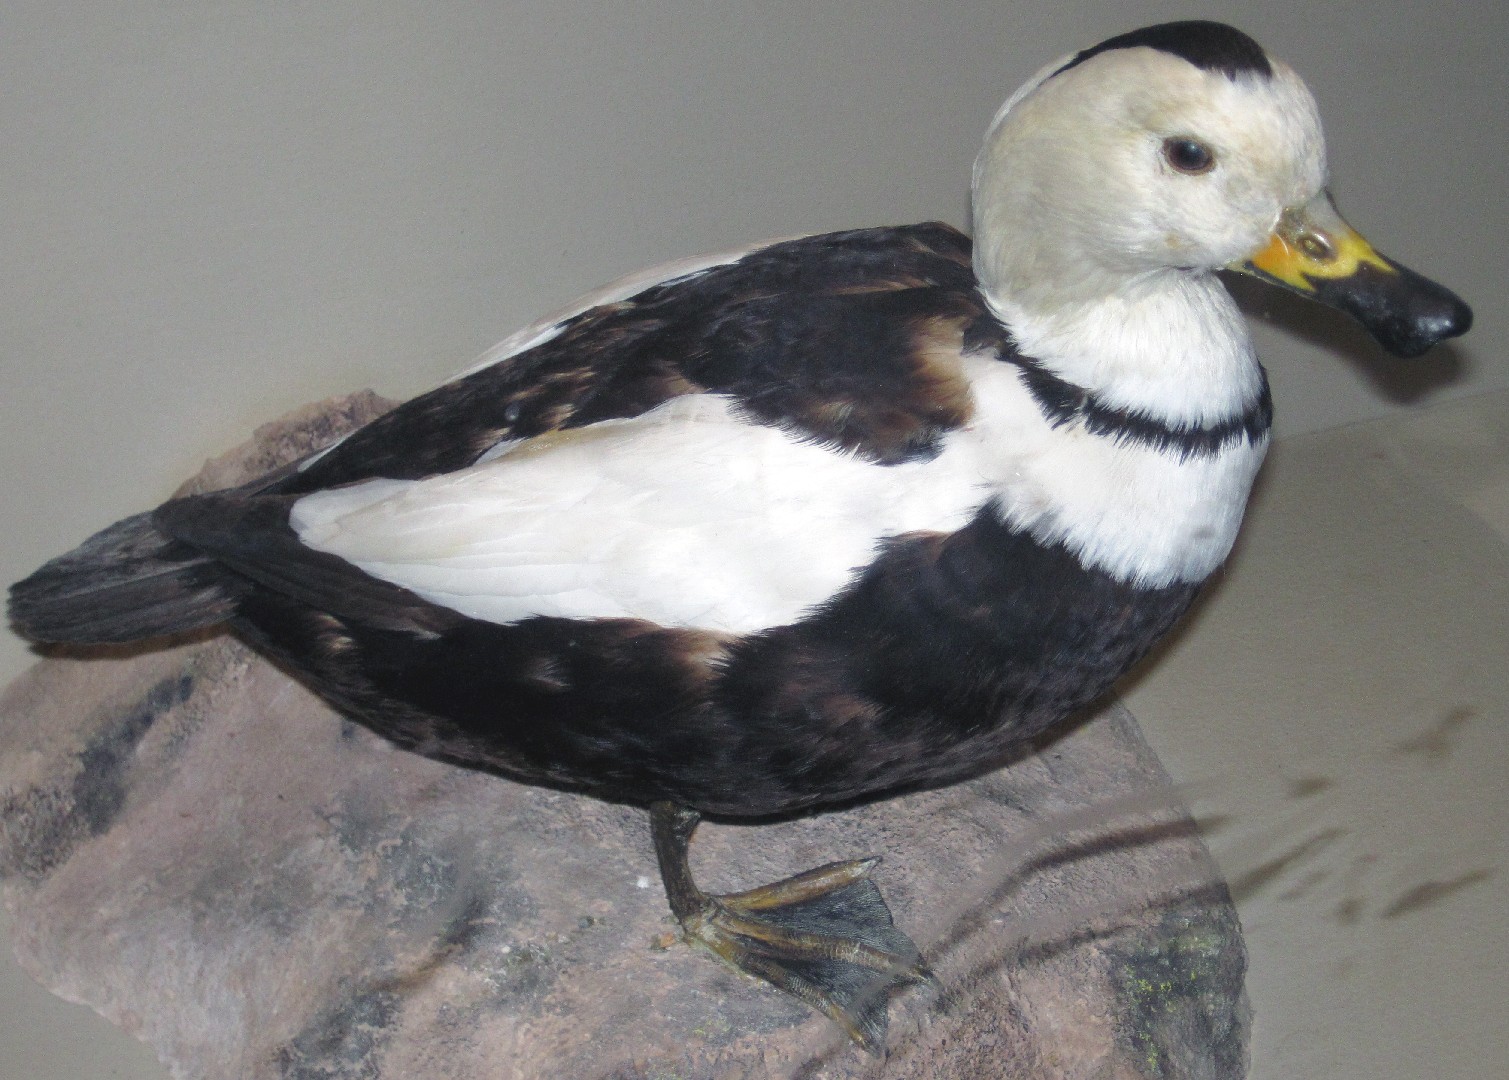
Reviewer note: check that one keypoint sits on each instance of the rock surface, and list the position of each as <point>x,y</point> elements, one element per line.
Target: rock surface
<point>201,850</point>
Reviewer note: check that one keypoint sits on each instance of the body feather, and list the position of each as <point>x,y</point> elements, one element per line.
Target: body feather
<point>781,531</point>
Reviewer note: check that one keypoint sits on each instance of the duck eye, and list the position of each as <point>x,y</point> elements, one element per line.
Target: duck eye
<point>1188,155</point>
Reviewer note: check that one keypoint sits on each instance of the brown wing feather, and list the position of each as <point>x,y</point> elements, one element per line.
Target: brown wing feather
<point>850,338</point>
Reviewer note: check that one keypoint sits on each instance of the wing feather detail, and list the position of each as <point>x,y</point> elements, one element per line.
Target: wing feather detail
<point>835,338</point>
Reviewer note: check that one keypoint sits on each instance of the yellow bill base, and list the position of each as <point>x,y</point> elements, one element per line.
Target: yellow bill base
<point>1302,249</point>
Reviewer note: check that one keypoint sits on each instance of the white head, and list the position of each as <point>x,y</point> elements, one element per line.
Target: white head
<point>1174,148</point>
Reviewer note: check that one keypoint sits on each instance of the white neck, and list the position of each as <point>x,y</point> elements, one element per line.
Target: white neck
<point>1169,344</point>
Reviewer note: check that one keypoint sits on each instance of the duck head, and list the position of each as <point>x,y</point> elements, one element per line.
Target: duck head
<point>1179,149</point>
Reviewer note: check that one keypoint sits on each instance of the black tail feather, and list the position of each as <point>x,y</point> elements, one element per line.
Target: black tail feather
<point>124,583</point>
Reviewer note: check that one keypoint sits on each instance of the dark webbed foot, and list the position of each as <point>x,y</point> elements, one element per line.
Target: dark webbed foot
<point>824,936</point>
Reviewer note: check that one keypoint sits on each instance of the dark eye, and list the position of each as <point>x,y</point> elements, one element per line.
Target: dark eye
<point>1188,155</point>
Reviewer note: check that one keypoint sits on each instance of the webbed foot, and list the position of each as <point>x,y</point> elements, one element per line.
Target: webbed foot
<point>824,936</point>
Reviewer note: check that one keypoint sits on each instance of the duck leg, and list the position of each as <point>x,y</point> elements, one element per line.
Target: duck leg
<point>824,936</point>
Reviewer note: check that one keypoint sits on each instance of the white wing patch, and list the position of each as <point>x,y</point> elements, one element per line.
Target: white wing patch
<point>691,516</point>
<point>686,516</point>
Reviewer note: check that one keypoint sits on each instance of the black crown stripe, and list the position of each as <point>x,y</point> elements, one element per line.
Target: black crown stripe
<point>1209,46</point>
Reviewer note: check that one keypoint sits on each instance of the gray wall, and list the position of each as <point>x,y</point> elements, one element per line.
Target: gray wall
<point>214,212</point>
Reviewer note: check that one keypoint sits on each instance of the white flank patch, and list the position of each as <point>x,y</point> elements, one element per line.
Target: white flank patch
<point>690,516</point>
<point>686,516</point>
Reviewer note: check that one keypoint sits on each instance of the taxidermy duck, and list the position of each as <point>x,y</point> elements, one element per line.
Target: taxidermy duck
<point>818,521</point>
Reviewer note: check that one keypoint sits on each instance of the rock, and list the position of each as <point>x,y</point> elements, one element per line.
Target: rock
<point>200,849</point>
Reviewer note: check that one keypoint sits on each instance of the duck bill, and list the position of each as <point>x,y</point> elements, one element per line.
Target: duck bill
<point>1315,253</point>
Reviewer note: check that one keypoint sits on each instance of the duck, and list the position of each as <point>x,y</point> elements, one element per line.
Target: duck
<point>817,521</point>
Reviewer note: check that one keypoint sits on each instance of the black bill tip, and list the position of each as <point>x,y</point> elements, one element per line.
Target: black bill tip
<point>1407,314</point>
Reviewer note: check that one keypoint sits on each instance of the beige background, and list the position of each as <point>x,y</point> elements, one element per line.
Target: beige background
<point>214,212</point>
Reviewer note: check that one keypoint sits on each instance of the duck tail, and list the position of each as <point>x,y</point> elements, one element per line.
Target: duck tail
<point>125,583</point>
